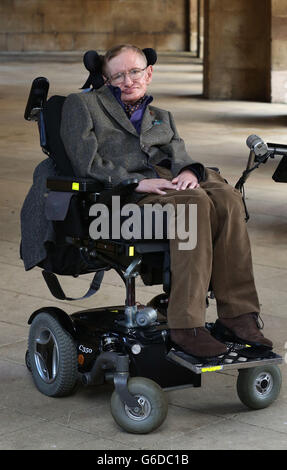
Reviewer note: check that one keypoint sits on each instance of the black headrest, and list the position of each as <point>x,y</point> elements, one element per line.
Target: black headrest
<point>151,55</point>
<point>94,63</point>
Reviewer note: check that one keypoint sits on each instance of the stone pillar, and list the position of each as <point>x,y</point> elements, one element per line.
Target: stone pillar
<point>279,51</point>
<point>196,10</point>
<point>237,49</point>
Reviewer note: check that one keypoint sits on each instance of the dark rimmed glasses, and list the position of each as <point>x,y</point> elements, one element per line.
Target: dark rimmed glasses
<point>133,74</point>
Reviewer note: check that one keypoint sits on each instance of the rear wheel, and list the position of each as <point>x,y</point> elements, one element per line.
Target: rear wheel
<point>52,356</point>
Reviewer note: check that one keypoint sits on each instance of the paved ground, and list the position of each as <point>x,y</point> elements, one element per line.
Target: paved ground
<point>211,417</point>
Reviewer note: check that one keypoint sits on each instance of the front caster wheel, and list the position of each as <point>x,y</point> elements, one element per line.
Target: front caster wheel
<point>258,387</point>
<point>150,413</point>
<point>51,356</point>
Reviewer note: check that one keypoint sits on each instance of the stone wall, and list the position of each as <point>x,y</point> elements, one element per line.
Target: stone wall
<point>77,25</point>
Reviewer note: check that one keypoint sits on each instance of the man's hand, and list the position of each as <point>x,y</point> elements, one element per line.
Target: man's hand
<point>185,180</point>
<point>154,185</point>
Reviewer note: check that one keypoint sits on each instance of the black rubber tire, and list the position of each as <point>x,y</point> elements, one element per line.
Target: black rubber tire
<point>258,387</point>
<point>155,407</point>
<point>27,361</point>
<point>62,378</point>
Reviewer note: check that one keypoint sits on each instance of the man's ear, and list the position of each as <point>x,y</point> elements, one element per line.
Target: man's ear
<point>149,73</point>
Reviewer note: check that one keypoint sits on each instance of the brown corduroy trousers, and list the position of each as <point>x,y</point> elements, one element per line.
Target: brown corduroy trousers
<point>221,257</point>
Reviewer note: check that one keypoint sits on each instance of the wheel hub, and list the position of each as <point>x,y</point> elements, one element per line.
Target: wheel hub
<point>140,412</point>
<point>263,384</point>
<point>46,355</point>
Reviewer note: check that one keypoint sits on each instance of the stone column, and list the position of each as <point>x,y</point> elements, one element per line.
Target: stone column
<point>196,27</point>
<point>279,51</point>
<point>237,49</point>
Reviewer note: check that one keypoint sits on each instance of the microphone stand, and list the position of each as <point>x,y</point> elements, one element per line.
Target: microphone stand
<point>246,173</point>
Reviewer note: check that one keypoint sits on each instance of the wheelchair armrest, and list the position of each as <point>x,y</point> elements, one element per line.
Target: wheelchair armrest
<point>71,184</point>
<point>87,185</point>
<point>122,189</point>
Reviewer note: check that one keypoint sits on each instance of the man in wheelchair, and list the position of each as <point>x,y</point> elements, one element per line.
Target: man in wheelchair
<point>114,133</point>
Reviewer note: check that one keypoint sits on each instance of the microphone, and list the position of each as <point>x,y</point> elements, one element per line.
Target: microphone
<point>257,145</point>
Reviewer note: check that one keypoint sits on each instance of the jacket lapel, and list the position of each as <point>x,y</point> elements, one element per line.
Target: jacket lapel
<point>115,110</point>
<point>147,121</point>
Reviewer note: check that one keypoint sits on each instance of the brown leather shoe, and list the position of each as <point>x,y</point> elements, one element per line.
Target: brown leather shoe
<point>197,342</point>
<point>246,328</point>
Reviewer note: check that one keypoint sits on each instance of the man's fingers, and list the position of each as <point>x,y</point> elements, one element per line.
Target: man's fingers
<point>167,185</point>
<point>187,185</point>
<point>160,191</point>
<point>182,185</point>
<point>156,186</point>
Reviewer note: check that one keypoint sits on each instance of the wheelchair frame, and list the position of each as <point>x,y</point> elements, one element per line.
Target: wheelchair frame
<point>128,345</point>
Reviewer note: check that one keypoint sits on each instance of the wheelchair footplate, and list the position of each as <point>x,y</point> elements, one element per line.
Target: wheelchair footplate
<point>238,356</point>
<point>234,359</point>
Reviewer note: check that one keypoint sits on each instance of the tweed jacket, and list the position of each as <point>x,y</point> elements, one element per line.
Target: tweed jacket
<point>102,143</point>
<point>36,229</point>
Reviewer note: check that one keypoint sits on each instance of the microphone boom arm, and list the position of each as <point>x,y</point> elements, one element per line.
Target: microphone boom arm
<point>259,153</point>
<point>251,166</point>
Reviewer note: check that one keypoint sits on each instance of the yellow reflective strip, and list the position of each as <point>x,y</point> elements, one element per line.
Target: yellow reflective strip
<point>75,186</point>
<point>211,369</point>
<point>131,251</point>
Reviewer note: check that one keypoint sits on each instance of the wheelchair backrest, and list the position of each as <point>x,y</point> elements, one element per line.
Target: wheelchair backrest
<point>48,115</point>
<point>52,113</point>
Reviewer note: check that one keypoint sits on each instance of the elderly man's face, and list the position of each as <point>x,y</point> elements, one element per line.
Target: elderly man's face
<point>122,73</point>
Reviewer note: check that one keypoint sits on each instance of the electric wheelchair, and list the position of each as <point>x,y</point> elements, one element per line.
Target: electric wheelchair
<point>127,345</point>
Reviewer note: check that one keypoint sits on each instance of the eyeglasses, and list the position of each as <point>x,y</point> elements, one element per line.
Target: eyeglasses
<point>134,75</point>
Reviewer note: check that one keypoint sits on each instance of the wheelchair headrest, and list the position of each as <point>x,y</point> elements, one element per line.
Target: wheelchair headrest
<point>94,63</point>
